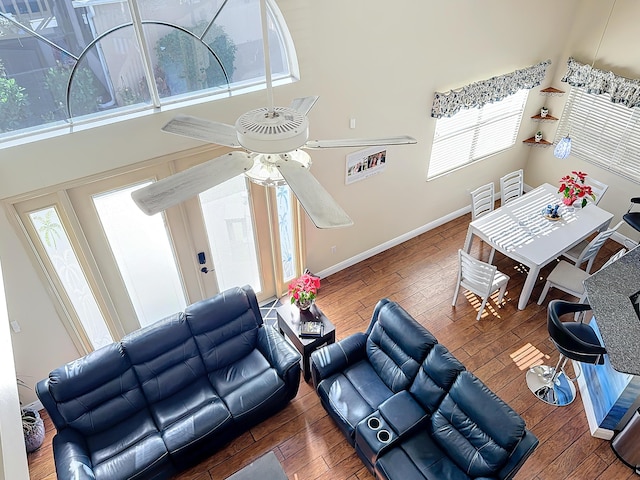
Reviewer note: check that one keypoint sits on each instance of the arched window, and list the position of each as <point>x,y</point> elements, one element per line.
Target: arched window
<point>64,62</point>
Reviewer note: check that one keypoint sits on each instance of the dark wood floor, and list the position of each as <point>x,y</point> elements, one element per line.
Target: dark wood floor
<point>420,274</point>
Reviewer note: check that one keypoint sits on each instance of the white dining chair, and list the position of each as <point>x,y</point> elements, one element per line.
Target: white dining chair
<point>587,250</point>
<point>483,202</point>
<point>597,187</point>
<point>511,186</point>
<point>570,279</point>
<point>479,277</point>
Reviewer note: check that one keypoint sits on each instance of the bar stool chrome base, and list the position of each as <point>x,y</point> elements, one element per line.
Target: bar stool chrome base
<point>549,386</point>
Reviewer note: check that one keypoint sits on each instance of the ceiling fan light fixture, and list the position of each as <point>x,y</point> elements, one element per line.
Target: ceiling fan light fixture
<point>265,172</point>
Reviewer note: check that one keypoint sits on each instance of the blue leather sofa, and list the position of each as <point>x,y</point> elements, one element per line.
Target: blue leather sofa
<point>171,393</point>
<point>411,409</point>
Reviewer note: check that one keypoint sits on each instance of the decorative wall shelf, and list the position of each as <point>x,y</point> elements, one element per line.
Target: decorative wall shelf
<point>532,142</point>
<point>550,91</point>
<point>540,118</point>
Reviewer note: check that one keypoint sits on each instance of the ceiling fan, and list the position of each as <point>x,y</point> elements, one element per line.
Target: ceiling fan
<point>273,139</point>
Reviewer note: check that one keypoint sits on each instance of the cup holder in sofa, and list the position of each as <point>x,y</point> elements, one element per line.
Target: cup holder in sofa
<point>374,423</point>
<point>383,436</point>
<point>373,435</point>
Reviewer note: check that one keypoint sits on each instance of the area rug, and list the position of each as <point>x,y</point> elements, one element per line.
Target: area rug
<point>266,467</point>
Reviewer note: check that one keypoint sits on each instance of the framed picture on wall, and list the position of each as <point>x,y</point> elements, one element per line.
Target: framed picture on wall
<point>364,163</point>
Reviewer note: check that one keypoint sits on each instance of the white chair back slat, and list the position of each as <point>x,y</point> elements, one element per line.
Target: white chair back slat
<point>592,249</point>
<point>597,187</point>
<point>511,186</point>
<point>482,200</point>
<point>480,278</point>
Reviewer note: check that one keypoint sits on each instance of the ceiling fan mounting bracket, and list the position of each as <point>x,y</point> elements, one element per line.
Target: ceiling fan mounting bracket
<point>280,131</point>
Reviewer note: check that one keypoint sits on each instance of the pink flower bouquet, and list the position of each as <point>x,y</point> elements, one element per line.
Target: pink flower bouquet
<point>303,290</point>
<point>573,188</point>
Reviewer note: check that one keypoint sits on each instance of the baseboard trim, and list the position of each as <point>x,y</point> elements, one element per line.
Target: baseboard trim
<point>393,242</point>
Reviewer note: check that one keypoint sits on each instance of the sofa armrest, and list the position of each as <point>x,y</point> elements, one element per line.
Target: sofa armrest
<point>402,412</point>
<point>524,449</point>
<point>50,405</point>
<point>279,353</point>
<point>73,461</point>
<point>337,356</point>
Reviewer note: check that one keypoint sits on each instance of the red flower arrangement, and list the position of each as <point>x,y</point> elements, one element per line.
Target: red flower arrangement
<point>303,290</point>
<point>573,188</point>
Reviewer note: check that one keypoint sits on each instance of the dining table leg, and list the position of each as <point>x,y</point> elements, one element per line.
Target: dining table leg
<point>468,240</point>
<point>527,288</point>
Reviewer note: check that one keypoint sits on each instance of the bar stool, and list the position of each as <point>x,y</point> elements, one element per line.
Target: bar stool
<point>633,218</point>
<point>574,340</point>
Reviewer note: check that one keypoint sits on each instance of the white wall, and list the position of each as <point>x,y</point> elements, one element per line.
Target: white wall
<point>371,60</point>
<point>13,457</point>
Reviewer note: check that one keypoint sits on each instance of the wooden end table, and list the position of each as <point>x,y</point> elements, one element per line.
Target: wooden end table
<point>289,318</point>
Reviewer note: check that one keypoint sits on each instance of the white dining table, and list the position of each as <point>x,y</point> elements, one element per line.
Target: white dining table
<point>521,231</point>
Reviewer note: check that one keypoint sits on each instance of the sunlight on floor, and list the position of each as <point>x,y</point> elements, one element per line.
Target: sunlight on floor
<point>489,309</point>
<point>528,356</point>
<point>521,269</point>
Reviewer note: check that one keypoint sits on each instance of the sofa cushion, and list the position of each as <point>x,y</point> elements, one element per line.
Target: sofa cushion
<point>115,457</point>
<point>165,357</point>
<point>247,384</point>
<point>182,401</point>
<point>97,391</point>
<point>129,445</point>
<point>435,377</point>
<point>352,395</point>
<point>475,427</point>
<point>416,458</point>
<point>396,346</point>
<point>230,378</point>
<point>225,327</point>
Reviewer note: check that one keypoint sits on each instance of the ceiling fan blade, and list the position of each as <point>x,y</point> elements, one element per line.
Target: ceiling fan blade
<point>205,130</point>
<point>303,104</point>
<point>361,142</point>
<point>177,188</point>
<point>322,209</point>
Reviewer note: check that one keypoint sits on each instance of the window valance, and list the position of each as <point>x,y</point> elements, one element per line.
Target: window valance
<point>487,91</point>
<point>622,90</point>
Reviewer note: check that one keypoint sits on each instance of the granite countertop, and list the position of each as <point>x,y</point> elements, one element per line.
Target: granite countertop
<point>609,292</point>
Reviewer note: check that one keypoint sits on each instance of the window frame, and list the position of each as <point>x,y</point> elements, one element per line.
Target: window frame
<point>60,201</point>
<point>161,104</point>
<point>476,128</point>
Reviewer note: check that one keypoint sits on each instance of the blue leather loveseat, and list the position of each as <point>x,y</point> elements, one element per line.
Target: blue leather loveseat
<point>171,393</point>
<point>411,409</point>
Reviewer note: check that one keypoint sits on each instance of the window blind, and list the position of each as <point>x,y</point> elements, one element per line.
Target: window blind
<point>476,133</point>
<point>603,133</point>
